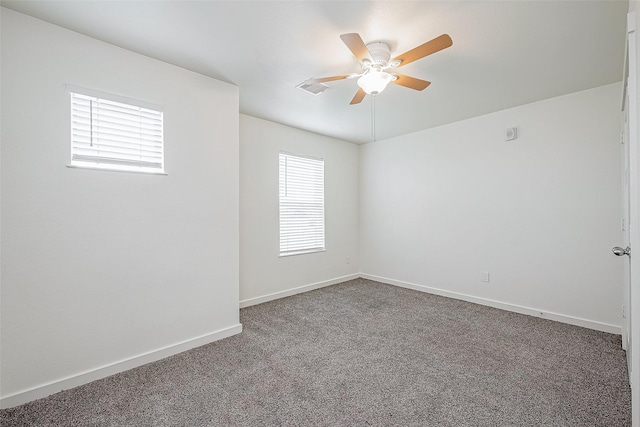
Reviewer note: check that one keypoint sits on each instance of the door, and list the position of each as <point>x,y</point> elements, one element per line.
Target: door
<point>629,225</point>
<point>631,294</point>
<point>626,260</point>
<point>631,216</point>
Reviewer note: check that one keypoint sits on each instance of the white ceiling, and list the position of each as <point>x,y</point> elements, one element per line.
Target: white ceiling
<point>504,53</point>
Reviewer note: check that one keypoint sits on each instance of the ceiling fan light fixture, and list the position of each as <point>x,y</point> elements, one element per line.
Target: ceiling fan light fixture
<point>375,81</point>
<point>375,59</point>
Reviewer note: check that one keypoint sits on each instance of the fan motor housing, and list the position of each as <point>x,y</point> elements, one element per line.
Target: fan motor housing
<point>380,53</point>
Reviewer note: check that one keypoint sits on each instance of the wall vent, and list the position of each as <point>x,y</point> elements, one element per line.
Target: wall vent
<point>312,88</point>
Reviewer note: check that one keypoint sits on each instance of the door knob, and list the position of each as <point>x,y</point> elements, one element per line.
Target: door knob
<point>619,251</point>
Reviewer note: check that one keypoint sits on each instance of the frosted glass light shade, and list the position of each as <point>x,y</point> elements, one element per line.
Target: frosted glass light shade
<point>374,81</point>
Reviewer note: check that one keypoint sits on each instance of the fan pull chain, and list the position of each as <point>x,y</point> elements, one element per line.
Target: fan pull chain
<point>373,118</point>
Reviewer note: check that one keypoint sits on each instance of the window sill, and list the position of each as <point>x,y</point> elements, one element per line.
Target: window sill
<point>99,168</point>
<point>312,251</point>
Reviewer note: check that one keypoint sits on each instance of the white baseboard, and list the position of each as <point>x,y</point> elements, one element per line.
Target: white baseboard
<point>45,390</point>
<point>585,323</point>
<point>306,288</point>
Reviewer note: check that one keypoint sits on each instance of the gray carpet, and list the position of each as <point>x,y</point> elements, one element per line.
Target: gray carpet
<point>363,353</point>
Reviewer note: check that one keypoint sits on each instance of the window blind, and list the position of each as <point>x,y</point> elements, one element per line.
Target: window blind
<point>115,134</point>
<point>301,205</point>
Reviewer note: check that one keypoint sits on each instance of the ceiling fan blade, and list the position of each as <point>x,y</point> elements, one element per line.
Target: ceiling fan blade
<point>433,46</point>
<point>356,46</point>
<point>329,79</point>
<point>357,99</point>
<point>410,82</point>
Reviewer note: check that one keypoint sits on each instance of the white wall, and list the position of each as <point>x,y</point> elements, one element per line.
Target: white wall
<point>102,271</point>
<point>263,274</point>
<point>540,213</point>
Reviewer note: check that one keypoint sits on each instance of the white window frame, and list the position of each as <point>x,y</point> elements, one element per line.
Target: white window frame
<point>301,204</point>
<point>133,147</point>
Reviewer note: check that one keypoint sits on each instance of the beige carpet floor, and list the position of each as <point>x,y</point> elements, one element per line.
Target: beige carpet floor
<point>363,353</point>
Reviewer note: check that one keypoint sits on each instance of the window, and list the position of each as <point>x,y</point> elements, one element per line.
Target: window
<point>301,205</point>
<point>110,132</point>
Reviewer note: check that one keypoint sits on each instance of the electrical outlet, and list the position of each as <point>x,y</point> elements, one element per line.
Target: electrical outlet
<point>484,276</point>
<point>348,260</point>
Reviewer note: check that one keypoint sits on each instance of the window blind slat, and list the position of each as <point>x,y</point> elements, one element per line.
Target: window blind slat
<point>106,148</point>
<point>125,123</point>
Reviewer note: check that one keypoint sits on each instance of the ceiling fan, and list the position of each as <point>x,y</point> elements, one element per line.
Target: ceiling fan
<point>377,65</point>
